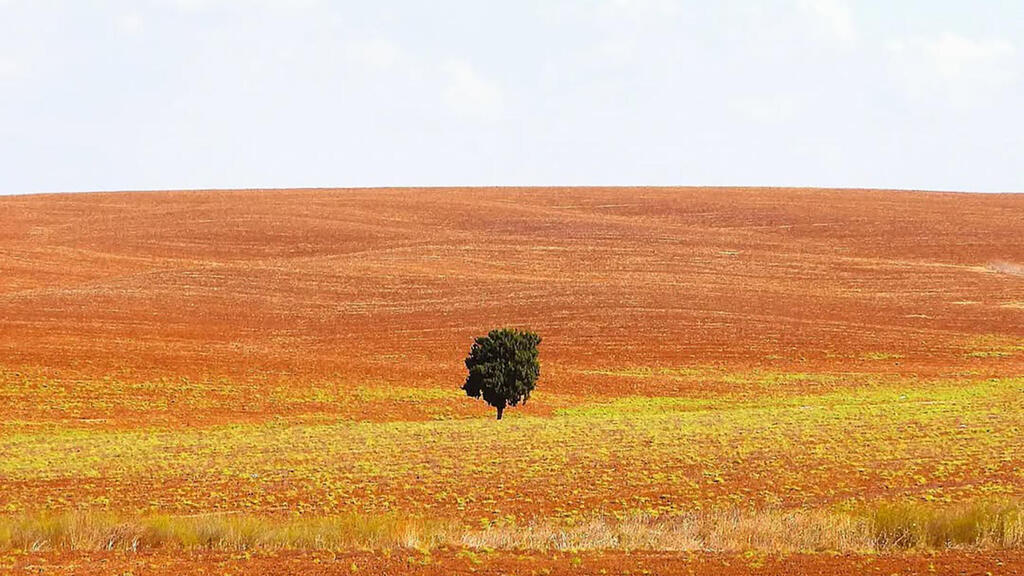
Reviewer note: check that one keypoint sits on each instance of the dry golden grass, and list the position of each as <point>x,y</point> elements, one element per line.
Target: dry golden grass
<point>983,525</point>
<point>99,531</point>
<point>727,531</point>
<point>988,525</point>
<point>885,527</point>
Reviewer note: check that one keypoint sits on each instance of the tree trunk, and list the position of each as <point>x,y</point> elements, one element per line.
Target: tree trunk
<point>500,410</point>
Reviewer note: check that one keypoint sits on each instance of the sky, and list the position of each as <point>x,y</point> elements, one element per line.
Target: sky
<point>170,94</point>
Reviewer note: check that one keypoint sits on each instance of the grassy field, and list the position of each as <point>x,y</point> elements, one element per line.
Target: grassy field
<point>861,442</point>
<point>269,382</point>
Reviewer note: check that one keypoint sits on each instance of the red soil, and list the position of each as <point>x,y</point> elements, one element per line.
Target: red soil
<point>390,285</point>
<point>282,288</point>
<point>456,562</point>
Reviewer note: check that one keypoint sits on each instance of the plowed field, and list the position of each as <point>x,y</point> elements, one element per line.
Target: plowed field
<point>282,354</point>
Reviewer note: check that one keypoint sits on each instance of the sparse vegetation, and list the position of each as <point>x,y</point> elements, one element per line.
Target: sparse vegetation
<point>881,356</point>
<point>913,525</point>
<point>266,381</point>
<point>985,525</point>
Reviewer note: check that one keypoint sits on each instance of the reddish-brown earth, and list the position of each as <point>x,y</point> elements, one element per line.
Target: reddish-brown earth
<point>445,562</point>
<point>391,284</point>
<point>173,313</point>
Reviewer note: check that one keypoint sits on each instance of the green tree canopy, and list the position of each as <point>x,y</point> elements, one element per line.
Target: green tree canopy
<point>503,367</point>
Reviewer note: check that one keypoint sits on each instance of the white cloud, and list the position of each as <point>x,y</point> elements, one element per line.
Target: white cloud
<point>376,53</point>
<point>129,24</point>
<point>192,5</point>
<point>833,15</point>
<point>644,10</point>
<point>10,70</point>
<point>205,5</point>
<point>470,95</point>
<point>770,109</point>
<point>632,26</point>
<point>965,72</point>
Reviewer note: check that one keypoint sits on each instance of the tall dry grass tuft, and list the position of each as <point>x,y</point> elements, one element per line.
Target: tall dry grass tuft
<point>788,531</point>
<point>987,525</point>
<point>727,531</point>
<point>99,531</point>
<point>77,531</point>
<point>982,524</point>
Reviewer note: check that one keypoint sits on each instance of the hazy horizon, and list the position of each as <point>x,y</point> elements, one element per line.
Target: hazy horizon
<point>499,187</point>
<point>224,94</point>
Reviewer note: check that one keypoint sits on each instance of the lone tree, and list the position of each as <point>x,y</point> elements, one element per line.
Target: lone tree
<point>503,367</point>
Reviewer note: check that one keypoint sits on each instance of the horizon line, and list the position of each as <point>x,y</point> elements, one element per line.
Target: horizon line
<point>509,187</point>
